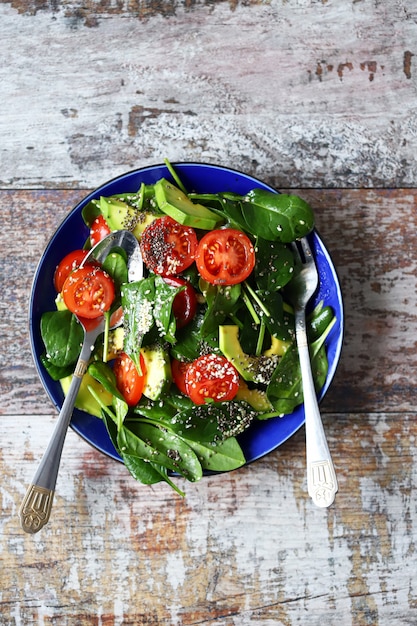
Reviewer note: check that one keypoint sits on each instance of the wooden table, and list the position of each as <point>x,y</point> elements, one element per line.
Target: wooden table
<point>312,96</point>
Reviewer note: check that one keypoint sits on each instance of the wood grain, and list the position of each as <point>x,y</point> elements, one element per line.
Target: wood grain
<point>247,547</point>
<point>308,94</point>
<point>314,95</point>
<point>371,235</point>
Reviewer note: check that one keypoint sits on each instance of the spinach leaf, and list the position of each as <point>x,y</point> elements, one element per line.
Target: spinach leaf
<point>162,312</point>
<point>115,265</point>
<point>156,444</point>
<point>62,336</point>
<point>55,372</point>
<point>277,216</point>
<point>190,342</point>
<point>137,303</point>
<point>222,301</point>
<point>143,471</point>
<point>285,390</point>
<point>220,457</point>
<point>274,265</point>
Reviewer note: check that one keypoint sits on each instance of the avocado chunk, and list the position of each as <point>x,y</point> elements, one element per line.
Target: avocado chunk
<point>175,203</point>
<point>257,369</point>
<point>85,401</point>
<point>158,371</point>
<point>278,347</point>
<point>256,398</point>
<point>118,214</point>
<point>144,219</point>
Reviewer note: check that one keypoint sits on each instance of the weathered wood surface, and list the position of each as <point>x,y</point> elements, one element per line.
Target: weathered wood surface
<point>315,93</point>
<point>247,547</point>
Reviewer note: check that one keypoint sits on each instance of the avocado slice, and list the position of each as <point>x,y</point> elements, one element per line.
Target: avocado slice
<point>158,371</point>
<point>144,219</point>
<point>278,347</point>
<point>256,398</point>
<point>175,203</point>
<point>257,369</point>
<point>118,214</point>
<point>85,401</point>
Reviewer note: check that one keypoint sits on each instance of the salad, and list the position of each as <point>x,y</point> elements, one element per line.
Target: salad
<point>207,344</point>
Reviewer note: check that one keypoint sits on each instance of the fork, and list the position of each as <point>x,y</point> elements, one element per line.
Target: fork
<point>36,506</point>
<point>321,476</point>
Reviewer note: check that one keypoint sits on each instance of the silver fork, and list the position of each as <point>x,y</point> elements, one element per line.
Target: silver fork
<point>36,506</point>
<point>321,476</point>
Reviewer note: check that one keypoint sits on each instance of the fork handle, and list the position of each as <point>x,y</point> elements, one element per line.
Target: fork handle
<point>321,476</point>
<point>36,506</point>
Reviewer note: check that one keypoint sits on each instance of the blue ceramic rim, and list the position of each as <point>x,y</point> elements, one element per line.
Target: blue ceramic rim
<point>261,438</point>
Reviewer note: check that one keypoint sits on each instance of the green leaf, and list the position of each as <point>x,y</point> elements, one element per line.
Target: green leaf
<point>285,390</point>
<point>153,443</point>
<point>274,266</point>
<point>137,303</point>
<point>162,312</point>
<point>221,457</point>
<point>221,302</point>
<point>55,372</point>
<point>115,265</point>
<point>62,336</point>
<point>277,216</point>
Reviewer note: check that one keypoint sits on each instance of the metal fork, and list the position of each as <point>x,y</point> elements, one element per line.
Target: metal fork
<point>321,476</point>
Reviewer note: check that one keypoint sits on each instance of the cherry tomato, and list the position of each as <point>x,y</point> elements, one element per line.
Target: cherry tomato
<point>211,376</point>
<point>99,229</point>
<point>179,369</point>
<point>69,263</point>
<point>128,380</point>
<point>88,292</point>
<point>168,247</point>
<point>225,257</point>
<point>185,302</point>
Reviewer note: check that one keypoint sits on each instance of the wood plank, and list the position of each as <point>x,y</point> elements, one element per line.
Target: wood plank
<point>372,236</point>
<point>311,94</point>
<point>243,548</point>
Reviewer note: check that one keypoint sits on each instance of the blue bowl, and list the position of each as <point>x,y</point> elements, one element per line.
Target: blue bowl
<point>262,437</point>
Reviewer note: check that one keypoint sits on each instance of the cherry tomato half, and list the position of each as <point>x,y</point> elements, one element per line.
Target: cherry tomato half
<point>69,263</point>
<point>88,292</point>
<point>185,302</point>
<point>128,380</point>
<point>225,257</point>
<point>179,369</point>
<point>99,229</point>
<point>211,376</point>
<point>168,247</point>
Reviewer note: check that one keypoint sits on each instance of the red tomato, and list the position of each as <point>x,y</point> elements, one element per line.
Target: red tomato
<point>168,247</point>
<point>68,264</point>
<point>225,257</point>
<point>88,292</point>
<point>211,376</point>
<point>179,369</point>
<point>99,229</point>
<point>128,380</point>
<point>185,302</point>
